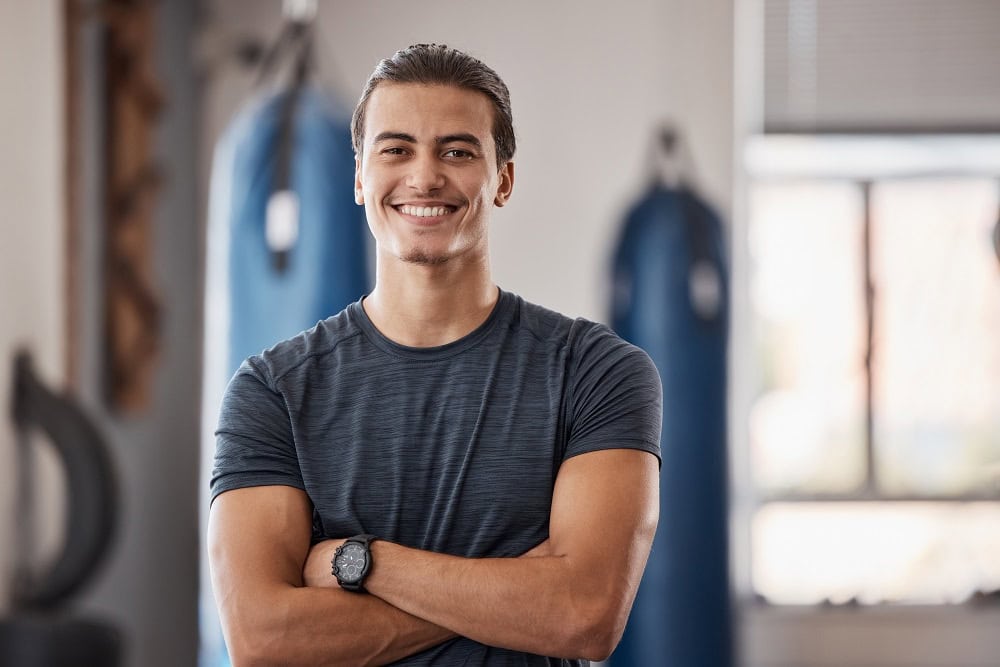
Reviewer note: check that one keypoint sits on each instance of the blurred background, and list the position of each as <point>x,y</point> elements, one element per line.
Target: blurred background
<point>846,158</point>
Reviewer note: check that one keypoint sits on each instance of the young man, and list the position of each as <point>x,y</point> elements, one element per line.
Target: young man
<point>442,473</point>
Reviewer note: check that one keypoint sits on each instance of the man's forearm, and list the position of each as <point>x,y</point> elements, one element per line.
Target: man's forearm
<point>313,626</point>
<point>258,546</point>
<point>539,605</point>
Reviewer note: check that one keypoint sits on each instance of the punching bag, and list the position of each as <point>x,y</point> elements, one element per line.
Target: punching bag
<point>670,297</point>
<point>287,247</point>
<point>287,159</point>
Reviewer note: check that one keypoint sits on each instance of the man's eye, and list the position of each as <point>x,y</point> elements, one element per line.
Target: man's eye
<point>458,153</point>
<point>393,150</point>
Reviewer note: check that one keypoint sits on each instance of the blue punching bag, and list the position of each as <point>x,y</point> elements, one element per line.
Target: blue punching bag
<point>671,299</point>
<point>283,185</point>
<point>288,154</point>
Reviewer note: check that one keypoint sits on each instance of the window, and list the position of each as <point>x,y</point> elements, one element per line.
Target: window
<point>874,431</point>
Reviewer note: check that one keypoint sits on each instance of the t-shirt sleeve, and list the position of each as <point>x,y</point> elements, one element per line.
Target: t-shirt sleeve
<point>616,400</point>
<point>254,445</point>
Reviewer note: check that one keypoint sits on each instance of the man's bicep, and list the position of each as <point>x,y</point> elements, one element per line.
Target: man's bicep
<point>258,536</point>
<point>605,507</point>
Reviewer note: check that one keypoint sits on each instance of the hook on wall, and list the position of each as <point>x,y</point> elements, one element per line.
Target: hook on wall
<point>668,138</point>
<point>670,161</point>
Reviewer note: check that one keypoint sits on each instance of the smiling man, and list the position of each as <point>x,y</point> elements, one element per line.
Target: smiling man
<point>443,473</point>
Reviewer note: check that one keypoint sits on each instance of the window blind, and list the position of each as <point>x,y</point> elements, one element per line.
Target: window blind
<point>882,66</point>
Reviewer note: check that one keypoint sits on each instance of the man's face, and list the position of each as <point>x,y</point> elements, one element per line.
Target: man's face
<point>428,175</point>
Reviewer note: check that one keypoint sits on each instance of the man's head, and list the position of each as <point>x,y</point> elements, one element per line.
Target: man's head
<point>438,64</point>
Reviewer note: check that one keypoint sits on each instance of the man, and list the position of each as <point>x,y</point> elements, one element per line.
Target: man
<point>442,473</point>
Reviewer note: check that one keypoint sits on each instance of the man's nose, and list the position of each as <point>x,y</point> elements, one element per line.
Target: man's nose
<point>426,174</point>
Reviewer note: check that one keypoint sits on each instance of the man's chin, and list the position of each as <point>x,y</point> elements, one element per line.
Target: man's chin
<point>425,258</point>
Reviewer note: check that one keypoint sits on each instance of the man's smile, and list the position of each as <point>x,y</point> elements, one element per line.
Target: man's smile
<point>425,211</point>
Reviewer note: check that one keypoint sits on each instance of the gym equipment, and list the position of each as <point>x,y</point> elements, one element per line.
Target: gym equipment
<point>670,297</point>
<point>40,632</point>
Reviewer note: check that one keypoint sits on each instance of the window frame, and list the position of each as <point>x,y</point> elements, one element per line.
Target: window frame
<point>770,158</point>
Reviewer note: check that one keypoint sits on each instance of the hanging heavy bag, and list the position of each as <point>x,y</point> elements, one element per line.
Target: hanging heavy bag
<point>288,245</point>
<point>670,298</point>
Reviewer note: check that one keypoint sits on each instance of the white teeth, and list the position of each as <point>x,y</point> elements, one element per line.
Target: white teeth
<point>424,211</point>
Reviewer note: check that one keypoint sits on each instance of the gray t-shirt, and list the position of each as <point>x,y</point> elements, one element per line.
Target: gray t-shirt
<point>452,449</point>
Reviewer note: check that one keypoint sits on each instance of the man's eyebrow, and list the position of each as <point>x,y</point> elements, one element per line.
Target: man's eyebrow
<point>462,137</point>
<point>394,136</point>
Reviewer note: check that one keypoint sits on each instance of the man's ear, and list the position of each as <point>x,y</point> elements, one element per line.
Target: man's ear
<point>506,185</point>
<point>359,192</point>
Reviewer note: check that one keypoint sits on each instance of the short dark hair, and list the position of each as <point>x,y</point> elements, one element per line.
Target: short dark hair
<point>436,63</point>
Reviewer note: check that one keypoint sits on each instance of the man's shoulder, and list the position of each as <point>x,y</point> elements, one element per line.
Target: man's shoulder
<point>549,325</point>
<point>286,356</point>
<point>578,334</point>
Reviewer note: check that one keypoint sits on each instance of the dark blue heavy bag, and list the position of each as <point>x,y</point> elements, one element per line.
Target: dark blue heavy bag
<point>272,297</point>
<point>671,299</point>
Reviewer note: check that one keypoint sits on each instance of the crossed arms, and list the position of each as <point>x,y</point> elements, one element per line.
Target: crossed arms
<point>568,597</point>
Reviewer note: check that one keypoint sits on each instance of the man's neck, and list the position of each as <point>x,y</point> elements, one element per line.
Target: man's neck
<point>428,306</point>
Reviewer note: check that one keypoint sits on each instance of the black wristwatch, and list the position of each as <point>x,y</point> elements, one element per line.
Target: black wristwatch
<point>352,562</point>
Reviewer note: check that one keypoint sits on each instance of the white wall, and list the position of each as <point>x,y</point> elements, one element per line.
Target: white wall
<point>31,227</point>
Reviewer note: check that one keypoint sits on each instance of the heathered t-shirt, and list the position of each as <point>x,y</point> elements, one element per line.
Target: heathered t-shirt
<point>452,449</point>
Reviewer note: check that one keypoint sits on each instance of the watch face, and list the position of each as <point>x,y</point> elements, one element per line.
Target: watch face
<point>351,562</point>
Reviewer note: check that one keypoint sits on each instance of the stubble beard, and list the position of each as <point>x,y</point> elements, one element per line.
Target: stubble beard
<point>425,258</point>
